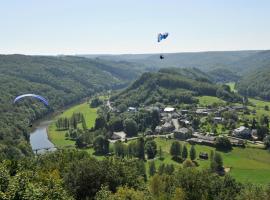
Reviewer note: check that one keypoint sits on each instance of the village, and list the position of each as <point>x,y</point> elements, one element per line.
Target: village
<point>180,124</point>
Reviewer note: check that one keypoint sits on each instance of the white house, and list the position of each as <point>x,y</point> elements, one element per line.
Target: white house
<point>242,132</point>
<point>169,109</point>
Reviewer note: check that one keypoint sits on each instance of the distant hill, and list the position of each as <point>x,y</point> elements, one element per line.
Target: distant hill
<point>256,83</point>
<point>206,61</point>
<point>62,80</point>
<point>171,86</point>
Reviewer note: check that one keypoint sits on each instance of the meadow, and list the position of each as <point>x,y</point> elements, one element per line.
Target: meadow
<point>58,137</point>
<point>246,164</point>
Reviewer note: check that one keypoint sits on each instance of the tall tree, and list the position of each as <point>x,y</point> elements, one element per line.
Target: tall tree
<point>152,168</point>
<point>140,148</point>
<point>192,153</point>
<point>175,149</point>
<point>185,152</point>
<point>151,149</point>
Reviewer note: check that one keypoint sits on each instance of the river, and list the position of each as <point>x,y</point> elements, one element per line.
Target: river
<point>39,139</point>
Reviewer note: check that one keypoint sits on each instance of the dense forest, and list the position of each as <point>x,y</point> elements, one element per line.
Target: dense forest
<point>61,80</point>
<point>76,175</point>
<point>256,83</point>
<point>167,85</point>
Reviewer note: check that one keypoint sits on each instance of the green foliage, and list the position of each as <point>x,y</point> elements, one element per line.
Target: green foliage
<point>63,80</point>
<point>223,144</point>
<point>175,149</point>
<point>130,127</point>
<point>101,145</point>
<point>171,86</point>
<point>96,102</point>
<point>151,149</point>
<point>217,163</point>
<point>152,168</point>
<point>192,153</point>
<point>185,152</point>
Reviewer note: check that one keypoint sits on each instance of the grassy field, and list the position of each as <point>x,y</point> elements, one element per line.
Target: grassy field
<point>232,86</point>
<point>209,100</point>
<point>58,137</point>
<point>247,165</point>
<point>259,107</point>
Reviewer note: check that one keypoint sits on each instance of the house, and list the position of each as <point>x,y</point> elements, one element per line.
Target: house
<point>202,111</point>
<point>132,109</point>
<point>169,109</point>
<point>242,132</point>
<point>182,133</point>
<point>165,128</point>
<point>202,139</point>
<point>218,119</point>
<point>184,122</point>
<point>237,142</point>
<point>119,136</point>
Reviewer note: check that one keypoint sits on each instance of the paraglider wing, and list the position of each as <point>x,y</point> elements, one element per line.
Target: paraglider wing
<point>42,99</point>
<point>162,36</point>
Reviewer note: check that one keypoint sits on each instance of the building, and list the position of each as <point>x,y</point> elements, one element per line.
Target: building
<point>242,132</point>
<point>169,109</point>
<point>132,109</point>
<point>218,119</point>
<point>202,139</point>
<point>119,136</point>
<point>165,128</point>
<point>182,133</point>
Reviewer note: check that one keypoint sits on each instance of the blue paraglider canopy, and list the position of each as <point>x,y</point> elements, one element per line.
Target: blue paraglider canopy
<point>42,99</point>
<point>162,36</point>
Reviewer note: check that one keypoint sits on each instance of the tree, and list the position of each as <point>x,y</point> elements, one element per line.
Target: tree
<point>140,148</point>
<point>115,124</point>
<point>152,168</point>
<point>160,153</point>
<point>100,122</point>
<point>119,149</point>
<point>266,107</point>
<point>151,149</point>
<point>101,145</point>
<point>188,163</point>
<point>254,124</point>
<point>122,107</point>
<point>96,102</point>
<point>155,118</point>
<point>262,131</point>
<point>175,149</point>
<point>223,144</point>
<point>84,123</point>
<point>267,142</point>
<point>179,194</point>
<point>192,153</point>
<point>217,163</point>
<point>130,127</point>
<point>185,152</point>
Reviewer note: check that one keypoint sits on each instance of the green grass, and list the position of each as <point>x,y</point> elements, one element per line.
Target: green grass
<point>246,165</point>
<point>232,86</point>
<point>58,137</point>
<point>259,107</point>
<point>209,100</point>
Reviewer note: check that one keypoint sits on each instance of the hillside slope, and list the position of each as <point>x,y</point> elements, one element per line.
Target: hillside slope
<point>256,84</point>
<point>171,86</point>
<point>62,80</point>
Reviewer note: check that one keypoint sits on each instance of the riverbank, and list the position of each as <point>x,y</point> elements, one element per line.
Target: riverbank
<point>58,137</point>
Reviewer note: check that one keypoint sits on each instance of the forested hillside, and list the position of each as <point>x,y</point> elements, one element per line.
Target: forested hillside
<point>61,80</point>
<point>256,84</point>
<point>233,60</point>
<point>170,86</point>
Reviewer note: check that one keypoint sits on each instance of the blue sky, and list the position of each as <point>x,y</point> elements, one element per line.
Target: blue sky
<point>125,26</point>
